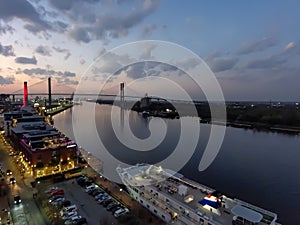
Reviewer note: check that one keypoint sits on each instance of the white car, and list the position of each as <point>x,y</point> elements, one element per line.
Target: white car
<point>91,187</point>
<point>72,220</point>
<point>121,212</point>
<point>69,215</point>
<point>68,209</point>
<point>56,201</point>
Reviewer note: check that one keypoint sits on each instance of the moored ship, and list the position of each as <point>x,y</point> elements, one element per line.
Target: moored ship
<point>178,200</point>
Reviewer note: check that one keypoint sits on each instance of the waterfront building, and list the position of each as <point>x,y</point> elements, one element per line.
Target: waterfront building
<point>42,147</point>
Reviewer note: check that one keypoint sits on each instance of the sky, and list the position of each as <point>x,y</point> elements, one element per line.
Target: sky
<point>252,47</point>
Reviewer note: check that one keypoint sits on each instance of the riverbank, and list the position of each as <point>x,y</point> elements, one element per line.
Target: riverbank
<point>55,110</point>
<point>283,118</point>
<point>258,127</point>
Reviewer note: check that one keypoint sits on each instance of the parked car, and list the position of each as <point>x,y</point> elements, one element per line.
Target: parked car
<point>99,196</point>
<point>72,220</point>
<point>12,180</point>
<point>101,200</point>
<point>112,205</point>
<point>17,200</point>
<point>68,209</point>
<point>68,215</point>
<point>8,172</point>
<point>66,203</point>
<point>50,189</point>
<point>57,201</point>
<point>56,197</point>
<point>121,212</point>
<point>80,221</point>
<point>107,202</point>
<point>95,192</point>
<point>90,187</point>
<point>57,192</point>
<point>81,180</point>
<point>114,209</point>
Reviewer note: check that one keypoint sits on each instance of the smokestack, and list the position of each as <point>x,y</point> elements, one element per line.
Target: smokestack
<point>25,97</point>
<point>49,92</point>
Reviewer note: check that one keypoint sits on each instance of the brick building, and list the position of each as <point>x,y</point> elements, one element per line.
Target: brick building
<point>42,147</point>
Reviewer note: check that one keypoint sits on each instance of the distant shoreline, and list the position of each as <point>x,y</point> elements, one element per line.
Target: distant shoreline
<point>259,127</point>
<point>274,115</point>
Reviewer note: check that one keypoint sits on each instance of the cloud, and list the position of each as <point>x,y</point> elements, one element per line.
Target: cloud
<point>82,61</point>
<point>291,49</point>
<point>223,63</point>
<point>147,69</point>
<point>256,46</point>
<point>62,5</point>
<point>100,52</point>
<point>44,72</point>
<point>146,51</point>
<point>188,63</point>
<point>68,74</point>
<point>24,11</point>
<point>110,64</point>
<point>6,80</point>
<point>62,50</point>
<point>148,30</point>
<point>211,56</point>
<point>43,50</point>
<point>113,24</point>
<point>66,80</point>
<point>289,46</point>
<point>5,28</point>
<point>25,60</point>
<point>6,50</point>
<point>80,34</point>
<point>38,71</point>
<point>270,62</point>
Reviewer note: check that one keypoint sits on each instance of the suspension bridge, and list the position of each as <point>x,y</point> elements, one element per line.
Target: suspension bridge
<point>58,89</point>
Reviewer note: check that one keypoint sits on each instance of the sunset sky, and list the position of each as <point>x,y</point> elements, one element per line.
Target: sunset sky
<point>251,46</point>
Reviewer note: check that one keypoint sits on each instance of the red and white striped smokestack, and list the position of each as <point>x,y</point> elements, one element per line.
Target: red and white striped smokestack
<point>25,97</point>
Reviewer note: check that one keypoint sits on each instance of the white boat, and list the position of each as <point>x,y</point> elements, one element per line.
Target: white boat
<point>178,200</point>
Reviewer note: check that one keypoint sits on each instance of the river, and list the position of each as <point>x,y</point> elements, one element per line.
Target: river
<point>262,168</point>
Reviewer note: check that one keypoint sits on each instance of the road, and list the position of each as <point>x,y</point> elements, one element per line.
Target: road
<point>28,213</point>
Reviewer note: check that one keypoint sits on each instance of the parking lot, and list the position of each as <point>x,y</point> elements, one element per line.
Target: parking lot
<point>86,205</point>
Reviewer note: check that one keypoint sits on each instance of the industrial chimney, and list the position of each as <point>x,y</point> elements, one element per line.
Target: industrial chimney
<point>25,97</point>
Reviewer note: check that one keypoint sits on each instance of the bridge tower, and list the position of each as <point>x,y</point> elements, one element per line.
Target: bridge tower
<point>122,94</point>
<point>49,92</point>
<point>122,104</point>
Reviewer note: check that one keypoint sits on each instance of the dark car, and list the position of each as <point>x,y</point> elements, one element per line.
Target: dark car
<point>80,221</point>
<point>96,192</point>
<point>8,172</point>
<point>81,181</point>
<point>66,203</point>
<point>54,198</point>
<point>17,200</point>
<point>112,205</point>
<point>12,180</point>
<point>107,202</point>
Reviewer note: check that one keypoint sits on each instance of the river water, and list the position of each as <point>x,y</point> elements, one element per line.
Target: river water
<point>262,168</point>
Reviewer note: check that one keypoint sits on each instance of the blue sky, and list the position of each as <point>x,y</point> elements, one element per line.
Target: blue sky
<point>251,46</point>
